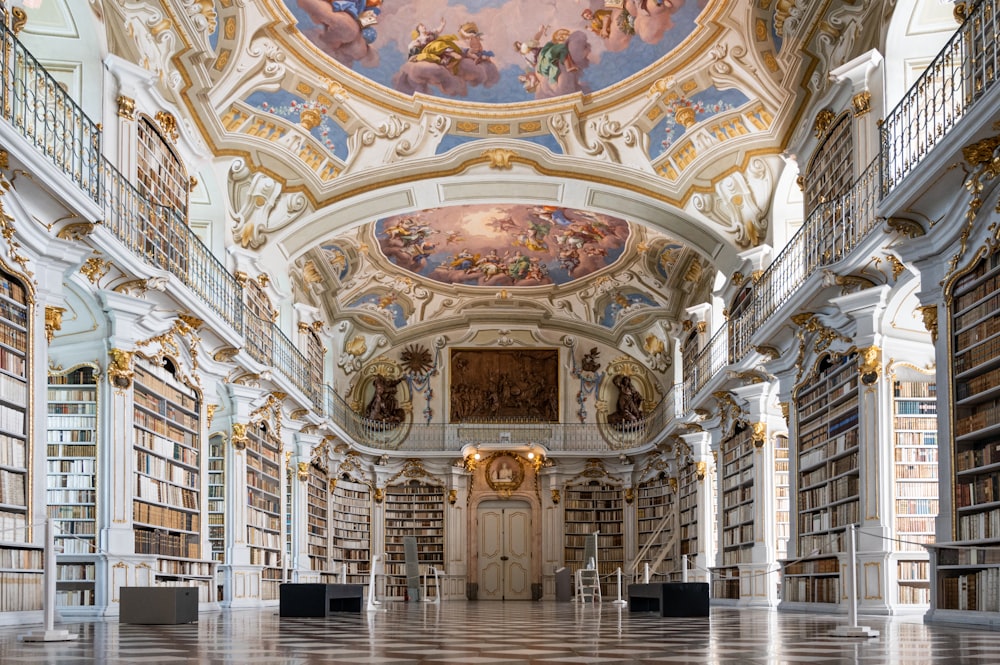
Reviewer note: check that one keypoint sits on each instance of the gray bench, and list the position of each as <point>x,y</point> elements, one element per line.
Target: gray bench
<point>670,599</point>
<point>319,600</point>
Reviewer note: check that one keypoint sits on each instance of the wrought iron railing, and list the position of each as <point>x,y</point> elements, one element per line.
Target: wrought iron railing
<point>962,73</point>
<point>708,362</point>
<point>829,234</point>
<point>37,107</point>
<point>161,236</point>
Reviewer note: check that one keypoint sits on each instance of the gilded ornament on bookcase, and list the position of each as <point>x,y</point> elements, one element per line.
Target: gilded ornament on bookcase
<point>983,158</point>
<point>239,438</point>
<point>500,158</point>
<point>452,497</point>
<point>905,227</point>
<point>862,103</point>
<point>556,496</point>
<point>629,495</point>
<point>929,314</point>
<point>168,124</point>
<point>822,122</point>
<point>701,470</point>
<point>302,470</point>
<point>53,321</point>
<point>120,371</point>
<point>378,493</point>
<point>126,107</point>
<point>93,268</point>
<point>672,483</point>
<point>758,434</point>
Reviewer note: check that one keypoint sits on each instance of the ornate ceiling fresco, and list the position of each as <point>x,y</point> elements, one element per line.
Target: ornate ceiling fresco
<point>508,245</point>
<point>506,51</point>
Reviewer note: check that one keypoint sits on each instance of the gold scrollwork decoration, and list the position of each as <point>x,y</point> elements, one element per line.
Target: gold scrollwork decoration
<point>168,124</point>
<point>452,497</point>
<point>905,227</point>
<point>95,268</point>
<point>822,122</point>
<point>701,470</point>
<point>862,103</point>
<point>758,434</point>
<point>629,495</point>
<point>303,471</point>
<point>126,107</point>
<point>556,496</point>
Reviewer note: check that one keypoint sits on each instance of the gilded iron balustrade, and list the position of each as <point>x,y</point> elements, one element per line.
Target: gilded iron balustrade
<point>708,362</point>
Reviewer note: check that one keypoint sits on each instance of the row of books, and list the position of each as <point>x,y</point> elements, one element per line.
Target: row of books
<point>924,455</point>
<point>20,591</point>
<point>12,488</point>
<point>12,359</point>
<point>156,425</point>
<point>977,355</point>
<point>167,543</point>
<point>263,500</point>
<point>165,516</point>
<point>58,436</point>
<point>741,535</point>
<point>906,524</point>
<point>152,489</point>
<point>976,308</point>
<point>260,538</point>
<point>977,526</point>
<point>264,520</point>
<point>12,420</point>
<point>84,395</point>
<point>742,477</point>
<point>914,389</point>
<point>741,515</point>
<point>977,384</point>
<point>166,448</point>
<point>12,451</point>
<point>737,496</point>
<point>978,591</point>
<point>71,512</point>
<point>82,466</point>
<point>14,312</point>
<point>983,490</point>
<point>166,470</point>
<point>12,290</point>
<point>56,409</point>
<point>188,568</point>
<point>966,460</point>
<point>14,389</point>
<point>811,589</point>
<point>161,386</point>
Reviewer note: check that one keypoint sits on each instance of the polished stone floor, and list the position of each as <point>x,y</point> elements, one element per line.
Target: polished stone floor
<point>494,633</point>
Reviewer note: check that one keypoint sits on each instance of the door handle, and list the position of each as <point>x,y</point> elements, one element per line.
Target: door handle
<point>504,558</point>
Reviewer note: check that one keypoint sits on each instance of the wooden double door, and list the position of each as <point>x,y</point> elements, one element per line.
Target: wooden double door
<point>504,550</point>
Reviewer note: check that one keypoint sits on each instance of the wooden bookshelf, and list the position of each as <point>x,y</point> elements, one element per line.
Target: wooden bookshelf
<point>71,482</point>
<point>166,508</point>
<point>264,506</point>
<point>412,509</point>
<point>968,578</point>
<point>217,498</point>
<point>655,499</point>
<point>318,505</point>
<point>737,510</point>
<point>20,565</point>
<point>781,500</point>
<point>812,580</point>
<point>350,521</point>
<point>595,508</point>
<point>915,481</point>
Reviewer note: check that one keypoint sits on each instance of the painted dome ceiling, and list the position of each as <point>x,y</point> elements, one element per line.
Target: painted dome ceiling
<point>504,51</point>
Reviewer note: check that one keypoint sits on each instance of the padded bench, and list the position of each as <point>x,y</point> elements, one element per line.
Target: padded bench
<point>670,599</point>
<point>319,600</point>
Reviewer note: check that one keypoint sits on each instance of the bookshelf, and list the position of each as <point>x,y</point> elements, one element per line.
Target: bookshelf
<point>827,481</point>
<point>968,577</point>
<point>264,509</point>
<point>217,498</point>
<point>350,521</point>
<point>412,509</point>
<point>915,481</point>
<point>70,487</point>
<point>589,508</point>
<point>781,500</point>
<point>318,505</point>
<point>20,565</point>
<point>737,510</point>
<point>654,500</point>
<point>166,507</point>
<point>687,487</point>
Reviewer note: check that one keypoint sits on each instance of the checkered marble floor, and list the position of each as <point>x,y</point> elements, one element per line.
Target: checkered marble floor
<point>496,633</point>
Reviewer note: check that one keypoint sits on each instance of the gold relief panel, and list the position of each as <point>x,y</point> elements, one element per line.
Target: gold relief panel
<point>467,127</point>
<point>304,89</point>
<point>95,268</point>
<point>556,497</point>
<point>528,127</point>
<point>498,130</point>
<point>120,370</point>
<point>126,107</point>
<point>758,434</point>
<point>504,473</point>
<point>823,120</point>
<point>303,471</point>
<point>239,437</point>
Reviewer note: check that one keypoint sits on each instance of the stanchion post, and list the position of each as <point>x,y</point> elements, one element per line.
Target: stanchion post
<point>852,629</point>
<point>684,568</point>
<point>620,601</point>
<point>48,633</point>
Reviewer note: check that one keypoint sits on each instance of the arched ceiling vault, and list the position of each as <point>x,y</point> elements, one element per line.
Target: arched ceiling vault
<point>331,118</point>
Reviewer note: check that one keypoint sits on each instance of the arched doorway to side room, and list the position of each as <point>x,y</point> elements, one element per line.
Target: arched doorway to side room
<point>504,552</point>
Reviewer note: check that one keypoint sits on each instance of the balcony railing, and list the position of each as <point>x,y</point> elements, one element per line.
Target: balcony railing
<point>829,234</point>
<point>37,107</point>
<point>960,76</point>
<point>708,362</point>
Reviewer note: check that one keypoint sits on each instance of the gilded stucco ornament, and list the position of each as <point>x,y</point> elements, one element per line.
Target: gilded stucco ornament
<point>53,321</point>
<point>126,107</point>
<point>168,124</point>
<point>870,364</point>
<point>822,122</point>
<point>929,314</point>
<point>556,496</point>
<point>701,470</point>
<point>739,203</point>
<point>95,268</point>
<point>120,370</point>
<point>303,471</point>
<point>983,158</point>
<point>500,158</point>
<point>905,227</point>
<point>758,434</point>
<point>769,352</point>
<point>862,103</point>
